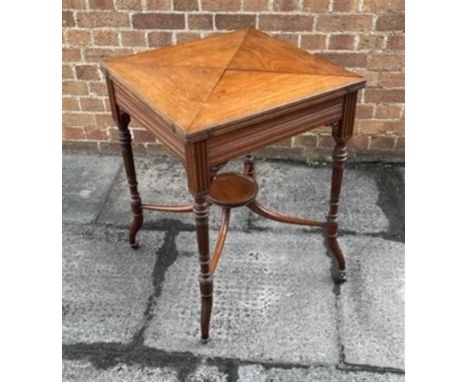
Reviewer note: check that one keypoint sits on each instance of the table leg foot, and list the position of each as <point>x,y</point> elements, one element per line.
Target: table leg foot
<point>339,265</point>
<point>339,276</point>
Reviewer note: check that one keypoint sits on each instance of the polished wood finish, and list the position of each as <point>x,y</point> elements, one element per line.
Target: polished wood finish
<point>200,88</point>
<point>249,166</point>
<point>342,131</point>
<point>165,208</point>
<point>262,211</point>
<point>122,120</point>
<point>223,229</point>
<point>215,99</point>
<point>232,190</point>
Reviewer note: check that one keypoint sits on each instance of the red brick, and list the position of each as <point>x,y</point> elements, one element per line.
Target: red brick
<point>158,21</point>
<point>73,4</point>
<point>390,23</point>
<point>99,54</point>
<point>359,142</point>
<point>385,95</point>
<point>113,133</point>
<point>392,80</point>
<point>372,78</point>
<point>256,5</point>
<point>375,126</point>
<point>382,143</point>
<point>67,72</point>
<point>77,37</point>
<point>78,119</point>
<point>101,4</point>
<point>104,120</point>
<point>74,87</point>
<point>71,54</point>
<point>221,5</point>
<point>134,5</point>
<point>317,6</point>
<point>140,135</point>
<point>186,36</point>
<point>384,5</point>
<point>396,42</point>
<point>313,42</point>
<point>345,5</point>
<point>70,104</point>
<point>234,21</point>
<point>102,19</point>
<point>364,111</point>
<point>95,134</point>
<point>290,38</point>
<point>400,143</point>
<point>374,42</point>
<point>286,23</point>
<point>336,23</point>
<point>350,60</point>
<point>106,38</point>
<point>341,42</point>
<point>158,5</point>
<point>200,21</point>
<point>286,5</point>
<point>133,38</point>
<point>97,88</point>
<point>72,133</point>
<point>386,62</point>
<point>386,111</point>
<point>185,5</point>
<point>91,104</point>
<point>87,72</point>
<point>68,20</point>
<point>157,39</point>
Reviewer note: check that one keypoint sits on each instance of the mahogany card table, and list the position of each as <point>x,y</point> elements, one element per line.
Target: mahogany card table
<point>221,97</point>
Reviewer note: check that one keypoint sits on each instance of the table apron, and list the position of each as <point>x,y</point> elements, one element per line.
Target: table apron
<point>150,120</point>
<point>254,137</point>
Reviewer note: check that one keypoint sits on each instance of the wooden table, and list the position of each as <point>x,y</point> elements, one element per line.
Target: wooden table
<point>222,97</point>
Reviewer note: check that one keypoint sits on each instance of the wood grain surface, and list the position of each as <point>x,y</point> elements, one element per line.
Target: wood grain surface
<point>198,87</point>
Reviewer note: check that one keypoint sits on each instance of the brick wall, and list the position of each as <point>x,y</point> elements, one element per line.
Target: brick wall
<point>367,36</point>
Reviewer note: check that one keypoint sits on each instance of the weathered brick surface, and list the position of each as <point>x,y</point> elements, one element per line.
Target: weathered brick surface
<point>367,36</point>
<point>234,21</point>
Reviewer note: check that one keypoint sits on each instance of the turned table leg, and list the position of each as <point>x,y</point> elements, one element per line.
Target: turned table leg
<point>199,178</point>
<point>249,165</point>
<point>339,159</point>
<point>342,131</point>
<point>200,210</point>
<point>127,153</point>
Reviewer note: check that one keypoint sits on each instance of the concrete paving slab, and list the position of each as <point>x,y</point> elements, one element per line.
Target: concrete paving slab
<point>105,284</point>
<point>304,191</point>
<point>257,373</point>
<point>372,302</point>
<point>83,371</point>
<point>204,373</point>
<point>162,181</point>
<point>86,181</point>
<point>273,301</point>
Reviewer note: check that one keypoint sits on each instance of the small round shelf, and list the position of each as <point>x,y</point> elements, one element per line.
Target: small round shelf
<point>230,190</point>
